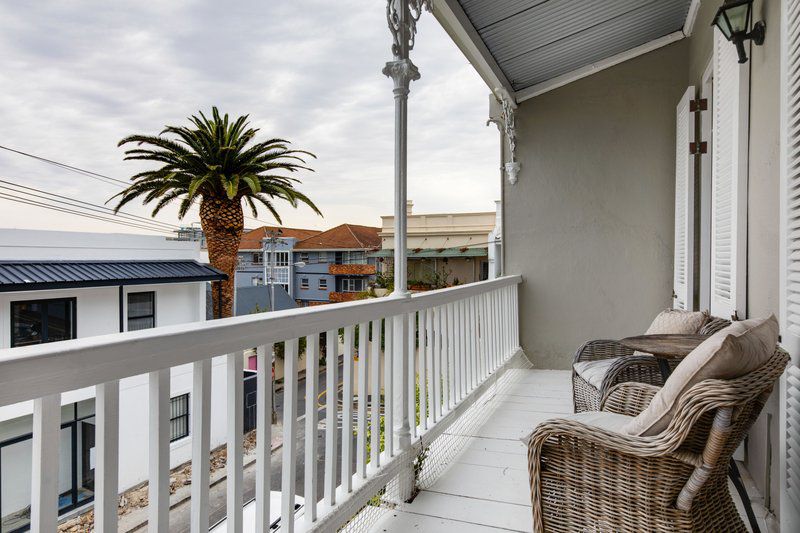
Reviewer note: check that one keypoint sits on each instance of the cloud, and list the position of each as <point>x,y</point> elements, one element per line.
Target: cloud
<point>80,75</point>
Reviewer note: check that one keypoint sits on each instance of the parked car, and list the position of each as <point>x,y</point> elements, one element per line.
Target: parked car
<point>249,514</point>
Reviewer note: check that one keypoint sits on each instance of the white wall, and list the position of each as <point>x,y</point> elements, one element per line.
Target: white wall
<point>97,313</point>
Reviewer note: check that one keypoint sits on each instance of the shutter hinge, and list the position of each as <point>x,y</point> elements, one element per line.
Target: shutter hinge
<point>735,316</point>
<point>696,148</point>
<point>701,104</point>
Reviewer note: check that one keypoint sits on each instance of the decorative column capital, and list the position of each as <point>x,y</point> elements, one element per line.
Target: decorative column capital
<point>402,17</point>
<point>402,72</point>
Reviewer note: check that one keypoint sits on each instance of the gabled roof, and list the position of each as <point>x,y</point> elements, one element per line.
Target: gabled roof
<point>45,275</point>
<point>343,237</point>
<point>251,240</point>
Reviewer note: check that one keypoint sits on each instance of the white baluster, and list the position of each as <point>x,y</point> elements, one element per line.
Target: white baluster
<point>45,458</point>
<point>451,354</point>
<point>458,350</point>
<point>201,444</point>
<point>436,360</point>
<point>234,463</point>
<point>311,422</point>
<point>347,411</point>
<point>424,364</point>
<point>412,374</point>
<point>363,377</point>
<point>288,476</point>
<point>158,487</point>
<point>331,407</point>
<point>106,473</point>
<point>264,384</point>
<point>388,387</point>
<point>375,396</point>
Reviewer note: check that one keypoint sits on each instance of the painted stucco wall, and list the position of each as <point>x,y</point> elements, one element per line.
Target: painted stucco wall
<point>590,223</point>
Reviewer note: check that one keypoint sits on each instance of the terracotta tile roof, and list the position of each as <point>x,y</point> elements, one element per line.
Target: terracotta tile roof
<point>344,237</point>
<point>251,240</point>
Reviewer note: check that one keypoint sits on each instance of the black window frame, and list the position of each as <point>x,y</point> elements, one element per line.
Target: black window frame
<point>180,416</point>
<point>128,316</point>
<point>74,329</point>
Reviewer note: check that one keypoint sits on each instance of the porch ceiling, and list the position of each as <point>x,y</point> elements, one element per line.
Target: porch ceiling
<point>528,43</point>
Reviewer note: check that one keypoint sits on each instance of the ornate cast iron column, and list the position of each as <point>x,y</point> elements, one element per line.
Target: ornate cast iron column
<point>402,17</point>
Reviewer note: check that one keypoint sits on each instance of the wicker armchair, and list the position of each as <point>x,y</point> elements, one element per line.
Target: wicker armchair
<point>627,367</point>
<point>584,478</point>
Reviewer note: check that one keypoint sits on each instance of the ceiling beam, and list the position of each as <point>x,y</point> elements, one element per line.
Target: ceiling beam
<point>691,18</point>
<point>455,22</point>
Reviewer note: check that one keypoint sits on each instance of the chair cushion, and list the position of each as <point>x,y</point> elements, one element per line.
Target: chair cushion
<point>677,321</point>
<point>730,353</point>
<point>594,372</point>
<point>602,419</point>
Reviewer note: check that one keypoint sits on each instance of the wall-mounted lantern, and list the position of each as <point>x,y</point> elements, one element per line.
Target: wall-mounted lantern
<point>733,19</point>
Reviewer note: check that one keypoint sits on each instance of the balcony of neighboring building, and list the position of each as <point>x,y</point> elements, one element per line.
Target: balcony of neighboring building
<point>351,269</point>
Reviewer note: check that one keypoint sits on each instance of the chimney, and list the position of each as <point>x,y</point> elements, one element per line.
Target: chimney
<point>409,207</point>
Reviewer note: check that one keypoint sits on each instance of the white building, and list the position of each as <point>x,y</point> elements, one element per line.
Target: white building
<point>62,285</point>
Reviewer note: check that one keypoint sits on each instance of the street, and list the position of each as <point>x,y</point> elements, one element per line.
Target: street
<point>179,516</point>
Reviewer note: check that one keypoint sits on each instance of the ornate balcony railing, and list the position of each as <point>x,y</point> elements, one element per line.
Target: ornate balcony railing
<point>450,341</point>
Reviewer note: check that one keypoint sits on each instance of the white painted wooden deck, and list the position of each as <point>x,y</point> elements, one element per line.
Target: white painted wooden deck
<point>485,486</point>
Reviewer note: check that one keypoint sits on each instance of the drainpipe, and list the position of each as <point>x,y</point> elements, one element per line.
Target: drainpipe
<point>402,16</point>
<point>121,310</point>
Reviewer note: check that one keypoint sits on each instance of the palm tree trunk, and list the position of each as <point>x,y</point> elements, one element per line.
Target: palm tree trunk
<point>223,222</point>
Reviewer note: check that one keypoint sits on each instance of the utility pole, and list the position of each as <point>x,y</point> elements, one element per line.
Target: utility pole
<point>269,248</point>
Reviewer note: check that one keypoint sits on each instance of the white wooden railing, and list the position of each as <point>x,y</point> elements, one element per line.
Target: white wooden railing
<point>465,335</point>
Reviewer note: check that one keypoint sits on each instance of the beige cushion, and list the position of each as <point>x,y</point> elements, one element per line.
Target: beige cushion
<point>677,321</point>
<point>594,372</point>
<point>602,419</point>
<point>730,353</point>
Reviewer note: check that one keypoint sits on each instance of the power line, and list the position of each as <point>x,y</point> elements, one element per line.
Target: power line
<point>95,175</point>
<point>89,173</point>
<point>91,206</point>
<point>85,215</point>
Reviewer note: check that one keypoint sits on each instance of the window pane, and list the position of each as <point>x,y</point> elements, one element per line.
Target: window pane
<point>59,320</point>
<point>141,304</point>
<point>26,323</point>
<point>179,417</point>
<point>136,324</point>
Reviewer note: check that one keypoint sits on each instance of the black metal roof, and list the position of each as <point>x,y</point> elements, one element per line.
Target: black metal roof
<point>43,275</point>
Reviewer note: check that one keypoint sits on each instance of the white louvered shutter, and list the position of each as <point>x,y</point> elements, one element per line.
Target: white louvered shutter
<point>729,181</point>
<point>790,266</point>
<point>683,274</point>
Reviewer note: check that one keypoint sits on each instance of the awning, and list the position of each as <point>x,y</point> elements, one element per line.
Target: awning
<point>435,253</point>
<point>44,275</point>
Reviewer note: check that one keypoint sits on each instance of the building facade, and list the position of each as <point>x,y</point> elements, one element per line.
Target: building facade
<point>58,286</point>
<point>337,264</point>
<point>444,249</point>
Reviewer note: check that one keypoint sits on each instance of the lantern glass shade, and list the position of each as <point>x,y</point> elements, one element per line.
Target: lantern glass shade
<point>733,17</point>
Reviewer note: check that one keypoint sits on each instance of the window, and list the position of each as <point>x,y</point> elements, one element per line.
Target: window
<point>141,310</point>
<point>179,417</point>
<point>256,258</point>
<point>304,257</point>
<point>39,321</point>
<point>323,284</point>
<point>282,259</point>
<point>323,257</point>
<point>352,285</point>
<point>256,281</point>
<point>303,283</point>
<point>350,258</point>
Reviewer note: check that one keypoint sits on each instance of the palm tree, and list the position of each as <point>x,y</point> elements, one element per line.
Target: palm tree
<point>219,164</point>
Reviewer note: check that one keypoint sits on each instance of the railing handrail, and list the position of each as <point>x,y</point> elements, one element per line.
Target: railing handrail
<point>30,372</point>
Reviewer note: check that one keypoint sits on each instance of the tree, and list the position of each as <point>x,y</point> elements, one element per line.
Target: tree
<point>219,164</point>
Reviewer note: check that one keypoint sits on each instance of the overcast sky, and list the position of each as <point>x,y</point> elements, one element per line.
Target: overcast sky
<point>79,75</point>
